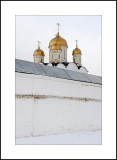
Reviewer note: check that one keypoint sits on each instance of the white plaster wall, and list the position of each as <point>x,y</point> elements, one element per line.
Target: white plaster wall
<point>63,116</point>
<point>23,117</point>
<point>38,58</point>
<point>43,85</point>
<point>36,117</point>
<point>53,116</point>
<point>77,58</point>
<point>64,51</point>
<point>54,54</point>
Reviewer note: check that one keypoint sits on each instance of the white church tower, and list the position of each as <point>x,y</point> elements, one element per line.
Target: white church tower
<point>58,49</point>
<point>38,55</point>
<point>77,55</point>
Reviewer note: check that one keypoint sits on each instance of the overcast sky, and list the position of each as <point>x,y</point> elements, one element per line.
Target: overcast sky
<point>85,29</point>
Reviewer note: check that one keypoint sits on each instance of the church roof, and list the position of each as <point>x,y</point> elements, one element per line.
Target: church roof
<point>27,67</point>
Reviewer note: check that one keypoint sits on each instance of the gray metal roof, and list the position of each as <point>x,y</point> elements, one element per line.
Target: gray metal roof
<point>40,69</point>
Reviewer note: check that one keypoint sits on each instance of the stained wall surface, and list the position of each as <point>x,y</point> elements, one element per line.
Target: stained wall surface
<point>47,105</point>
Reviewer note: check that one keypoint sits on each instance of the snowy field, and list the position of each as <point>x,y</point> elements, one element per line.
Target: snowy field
<point>86,138</point>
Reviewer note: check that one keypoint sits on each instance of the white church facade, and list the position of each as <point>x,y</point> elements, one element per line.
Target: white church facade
<point>58,55</point>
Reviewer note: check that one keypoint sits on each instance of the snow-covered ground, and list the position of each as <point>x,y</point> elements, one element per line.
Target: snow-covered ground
<point>93,137</point>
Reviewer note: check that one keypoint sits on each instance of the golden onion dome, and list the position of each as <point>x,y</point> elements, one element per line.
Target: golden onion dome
<point>55,47</point>
<point>76,50</point>
<point>38,51</point>
<point>59,40</point>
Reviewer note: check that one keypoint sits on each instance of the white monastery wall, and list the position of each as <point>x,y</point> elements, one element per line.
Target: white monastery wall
<point>48,105</point>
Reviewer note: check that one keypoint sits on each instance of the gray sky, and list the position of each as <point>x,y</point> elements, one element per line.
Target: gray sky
<point>85,29</point>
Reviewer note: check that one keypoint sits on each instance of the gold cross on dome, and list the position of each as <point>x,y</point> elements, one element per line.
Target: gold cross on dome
<point>58,26</point>
<point>76,43</point>
<point>38,44</point>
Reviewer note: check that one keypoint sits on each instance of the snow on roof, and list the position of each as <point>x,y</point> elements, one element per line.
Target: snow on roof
<point>39,69</point>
